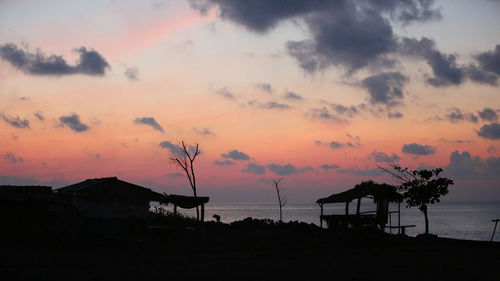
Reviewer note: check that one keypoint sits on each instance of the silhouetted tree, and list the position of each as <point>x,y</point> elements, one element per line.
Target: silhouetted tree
<point>281,199</point>
<point>420,187</point>
<point>185,160</point>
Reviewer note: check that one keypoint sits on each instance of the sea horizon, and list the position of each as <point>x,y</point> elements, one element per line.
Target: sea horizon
<point>470,220</point>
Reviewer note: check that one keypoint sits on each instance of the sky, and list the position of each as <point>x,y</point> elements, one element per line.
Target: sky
<point>320,93</point>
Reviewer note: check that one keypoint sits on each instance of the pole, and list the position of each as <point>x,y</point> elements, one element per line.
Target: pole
<point>494,229</point>
<point>399,217</point>
<point>321,216</point>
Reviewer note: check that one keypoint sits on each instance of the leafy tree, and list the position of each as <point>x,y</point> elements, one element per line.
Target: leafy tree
<point>420,187</point>
<point>184,159</point>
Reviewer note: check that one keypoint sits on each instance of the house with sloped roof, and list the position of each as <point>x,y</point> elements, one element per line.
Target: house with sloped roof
<point>109,198</point>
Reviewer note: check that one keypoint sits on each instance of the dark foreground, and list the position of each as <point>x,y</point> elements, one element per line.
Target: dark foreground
<point>251,250</point>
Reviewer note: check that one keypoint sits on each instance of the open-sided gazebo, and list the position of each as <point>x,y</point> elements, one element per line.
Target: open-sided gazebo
<point>381,194</point>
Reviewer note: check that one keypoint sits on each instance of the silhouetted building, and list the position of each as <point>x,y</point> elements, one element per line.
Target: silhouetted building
<point>109,206</point>
<point>381,194</point>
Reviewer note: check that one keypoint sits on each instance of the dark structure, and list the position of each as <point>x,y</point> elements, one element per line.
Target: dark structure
<point>107,207</point>
<point>187,202</point>
<point>381,194</point>
<point>94,208</point>
<point>25,211</point>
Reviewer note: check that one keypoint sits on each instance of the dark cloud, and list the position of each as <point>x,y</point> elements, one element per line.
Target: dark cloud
<point>269,105</point>
<point>488,114</point>
<point>225,93</point>
<point>174,175</point>
<point>456,141</point>
<point>293,96</point>
<point>254,168</point>
<point>329,166</point>
<point>479,75</point>
<point>174,149</point>
<point>349,111</point>
<point>395,115</point>
<point>418,149</point>
<point>39,115</point>
<point>325,115</point>
<point>349,37</point>
<point>384,157</point>
<point>150,121</point>
<point>409,11</point>
<point>288,169</point>
<point>491,131</point>
<point>223,163</point>
<point>445,69</point>
<point>264,87</point>
<point>89,63</point>
<point>352,34</point>
<point>204,131</point>
<point>336,145</point>
<point>132,73</point>
<point>16,122</point>
<point>490,60</point>
<point>236,155</point>
<point>385,88</point>
<point>355,141</point>
<point>455,115</point>
<point>361,172</point>
<point>259,16</point>
<point>9,157</point>
<point>73,122</point>
<point>465,166</point>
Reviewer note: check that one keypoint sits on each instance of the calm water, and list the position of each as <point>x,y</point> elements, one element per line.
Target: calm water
<point>463,220</point>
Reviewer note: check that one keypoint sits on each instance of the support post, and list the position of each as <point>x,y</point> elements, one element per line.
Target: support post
<point>202,213</point>
<point>494,229</point>
<point>347,208</point>
<point>358,207</point>
<point>175,210</point>
<point>399,217</point>
<point>321,216</point>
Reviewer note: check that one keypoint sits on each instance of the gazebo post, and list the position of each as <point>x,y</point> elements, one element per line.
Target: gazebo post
<point>202,213</point>
<point>347,207</point>
<point>321,216</point>
<point>399,217</point>
<point>358,207</point>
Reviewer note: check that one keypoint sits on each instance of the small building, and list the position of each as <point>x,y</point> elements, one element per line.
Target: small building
<point>108,206</point>
<point>109,198</point>
<point>381,194</point>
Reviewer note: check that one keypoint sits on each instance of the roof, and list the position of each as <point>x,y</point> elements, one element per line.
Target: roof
<point>186,202</point>
<point>110,187</point>
<point>26,192</point>
<point>367,188</point>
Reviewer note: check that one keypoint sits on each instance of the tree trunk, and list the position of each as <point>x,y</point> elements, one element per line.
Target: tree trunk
<point>424,210</point>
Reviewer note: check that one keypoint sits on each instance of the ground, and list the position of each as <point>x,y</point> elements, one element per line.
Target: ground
<point>253,250</point>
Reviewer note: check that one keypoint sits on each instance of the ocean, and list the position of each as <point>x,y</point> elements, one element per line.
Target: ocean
<point>461,220</point>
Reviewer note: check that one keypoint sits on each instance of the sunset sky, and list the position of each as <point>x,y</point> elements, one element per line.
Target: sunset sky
<point>318,92</point>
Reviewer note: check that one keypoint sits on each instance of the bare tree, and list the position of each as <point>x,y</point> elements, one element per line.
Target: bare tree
<point>281,199</point>
<point>185,160</point>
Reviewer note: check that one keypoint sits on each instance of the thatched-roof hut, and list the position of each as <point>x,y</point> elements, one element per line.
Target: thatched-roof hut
<point>381,194</point>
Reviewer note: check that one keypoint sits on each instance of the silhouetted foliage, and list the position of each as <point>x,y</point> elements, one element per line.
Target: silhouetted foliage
<point>420,187</point>
<point>185,160</point>
<point>282,200</point>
